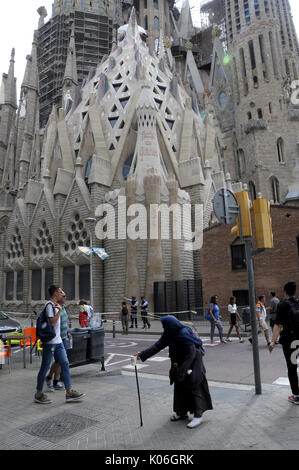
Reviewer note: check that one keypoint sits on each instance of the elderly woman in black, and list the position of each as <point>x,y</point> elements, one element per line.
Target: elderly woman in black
<point>191,391</point>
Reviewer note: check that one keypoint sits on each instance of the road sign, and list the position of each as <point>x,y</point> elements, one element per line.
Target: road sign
<point>225,206</point>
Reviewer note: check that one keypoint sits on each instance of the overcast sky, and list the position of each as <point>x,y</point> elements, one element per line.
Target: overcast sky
<point>18,19</point>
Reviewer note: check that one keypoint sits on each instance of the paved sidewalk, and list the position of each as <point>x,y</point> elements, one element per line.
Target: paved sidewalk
<point>108,418</point>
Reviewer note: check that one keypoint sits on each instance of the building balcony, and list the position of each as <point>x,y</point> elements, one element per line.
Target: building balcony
<point>255,125</point>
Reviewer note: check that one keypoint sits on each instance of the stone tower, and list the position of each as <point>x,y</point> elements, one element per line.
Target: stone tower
<point>154,15</point>
<point>8,106</point>
<point>256,75</point>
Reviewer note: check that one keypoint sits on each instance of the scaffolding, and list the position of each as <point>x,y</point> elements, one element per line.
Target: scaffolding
<point>93,40</point>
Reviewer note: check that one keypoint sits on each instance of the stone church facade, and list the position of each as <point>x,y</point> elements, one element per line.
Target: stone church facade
<point>149,126</point>
<point>132,131</point>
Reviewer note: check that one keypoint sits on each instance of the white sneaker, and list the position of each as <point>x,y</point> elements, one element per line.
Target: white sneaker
<point>194,423</point>
<point>50,385</point>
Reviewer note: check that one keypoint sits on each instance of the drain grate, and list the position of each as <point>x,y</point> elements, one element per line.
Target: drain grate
<point>59,427</point>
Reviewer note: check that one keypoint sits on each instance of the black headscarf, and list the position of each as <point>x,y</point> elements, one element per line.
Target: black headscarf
<point>175,331</point>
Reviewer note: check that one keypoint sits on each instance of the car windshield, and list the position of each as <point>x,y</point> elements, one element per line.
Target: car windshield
<point>3,316</point>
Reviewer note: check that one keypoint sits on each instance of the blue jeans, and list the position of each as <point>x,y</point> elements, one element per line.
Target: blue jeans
<point>220,329</point>
<point>58,351</point>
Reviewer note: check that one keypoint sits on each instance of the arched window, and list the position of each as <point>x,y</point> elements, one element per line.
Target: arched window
<point>280,150</point>
<point>242,160</point>
<point>87,172</point>
<point>156,23</point>
<point>275,190</point>
<point>252,190</point>
<point>145,23</point>
<point>157,45</point>
<point>127,166</point>
<point>156,4</point>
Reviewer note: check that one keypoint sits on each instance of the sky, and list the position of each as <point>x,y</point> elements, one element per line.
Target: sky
<point>18,19</point>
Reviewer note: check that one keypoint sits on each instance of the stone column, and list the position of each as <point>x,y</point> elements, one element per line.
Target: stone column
<point>155,267</point>
<point>132,277</point>
<point>176,270</point>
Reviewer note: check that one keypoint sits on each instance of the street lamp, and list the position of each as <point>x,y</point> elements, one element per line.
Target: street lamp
<point>90,221</point>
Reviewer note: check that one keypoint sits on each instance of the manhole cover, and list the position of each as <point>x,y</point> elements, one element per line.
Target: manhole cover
<point>59,427</point>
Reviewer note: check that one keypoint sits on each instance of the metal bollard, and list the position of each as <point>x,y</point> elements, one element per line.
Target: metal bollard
<point>113,328</point>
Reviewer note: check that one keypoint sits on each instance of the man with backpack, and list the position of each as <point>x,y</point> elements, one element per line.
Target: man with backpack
<point>124,317</point>
<point>287,326</point>
<point>48,328</point>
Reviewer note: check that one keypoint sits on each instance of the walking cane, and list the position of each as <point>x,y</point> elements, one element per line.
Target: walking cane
<point>134,364</point>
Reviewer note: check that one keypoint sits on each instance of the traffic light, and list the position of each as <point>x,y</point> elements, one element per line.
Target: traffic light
<point>243,201</point>
<point>263,223</point>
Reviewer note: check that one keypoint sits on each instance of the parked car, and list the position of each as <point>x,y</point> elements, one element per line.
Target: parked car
<point>7,325</point>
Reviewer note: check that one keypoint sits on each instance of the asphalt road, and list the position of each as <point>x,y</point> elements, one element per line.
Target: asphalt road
<point>232,362</point>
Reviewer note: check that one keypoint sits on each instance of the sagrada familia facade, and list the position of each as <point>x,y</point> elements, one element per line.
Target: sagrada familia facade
<point>130,113</point>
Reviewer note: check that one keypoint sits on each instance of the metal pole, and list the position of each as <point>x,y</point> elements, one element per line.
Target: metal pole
<point>113,328</point>
<point>254,330</point>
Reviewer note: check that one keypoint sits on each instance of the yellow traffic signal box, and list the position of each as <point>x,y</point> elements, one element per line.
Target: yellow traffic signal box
<point>243,201</point>
<point>263,223</point>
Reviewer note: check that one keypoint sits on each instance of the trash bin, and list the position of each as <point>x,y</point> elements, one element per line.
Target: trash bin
<point>246,315</point>
<point>78,354</point>
<point>95,345</point>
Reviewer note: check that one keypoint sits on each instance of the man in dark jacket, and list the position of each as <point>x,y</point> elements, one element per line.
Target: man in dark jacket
<point>287,326</point>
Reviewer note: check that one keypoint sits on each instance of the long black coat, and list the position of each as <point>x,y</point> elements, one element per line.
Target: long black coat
<point>191,392</point>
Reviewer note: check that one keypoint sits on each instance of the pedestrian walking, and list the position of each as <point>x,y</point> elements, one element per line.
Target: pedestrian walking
<point>124,317</point>
<point>261,315</point>
<point>55,347</point>
<point>273,303</point>
<point>213,315</point>
<point>233,314</point>
<point>187,373</point>
<point>55,370</point>
<point>144,313</point>
<point>134,306</point>
<point>287,326</point>
<point>83,316</point>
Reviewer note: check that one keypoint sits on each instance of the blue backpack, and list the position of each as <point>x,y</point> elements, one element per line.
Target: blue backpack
<point>44,330</point>
<point>208,315</point>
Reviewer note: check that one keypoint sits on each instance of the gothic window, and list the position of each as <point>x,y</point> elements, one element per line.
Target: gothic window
<point>69,281</point>
<point>9,285</point>
<point>156,23</point>
<point>249,115</point>
<point>260,113</point>
<point>156,45</point>
<point>15,251</point>
<point>280,150</point>
<point>124,101</point>
<point>252,191</point>
<point>156,4</point>
<point>146,23</point>
<point>49,279</point>
<point>36,284</point>
<point>127,166</point>
<point>20,285</point>
<point>145,4</point>
<point>76,235</point>
<point>42,242</point>
<point>84,281</point>
<point>87,171</point>
<point>222,99</point>
<point>275,190</point>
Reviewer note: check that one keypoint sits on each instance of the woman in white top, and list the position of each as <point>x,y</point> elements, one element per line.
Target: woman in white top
<point>233,314</point>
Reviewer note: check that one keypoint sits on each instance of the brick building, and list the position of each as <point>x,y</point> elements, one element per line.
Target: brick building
<point>223,265</point>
